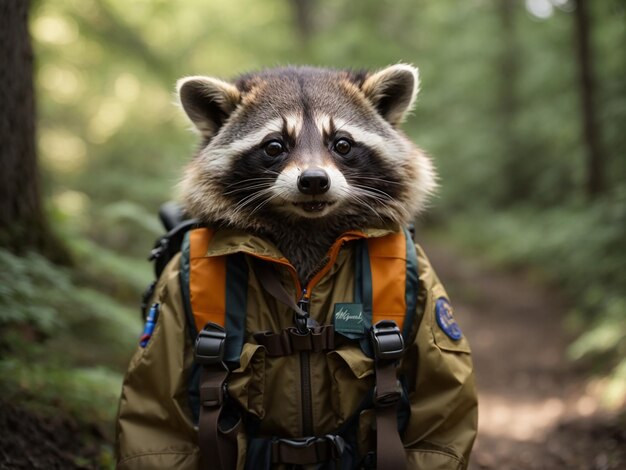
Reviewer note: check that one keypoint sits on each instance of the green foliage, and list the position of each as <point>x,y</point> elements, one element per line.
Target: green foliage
<point>29,289</point>
<point>581,244</point>
<point>56,336</point>
<point>89,394</point>
<point>122,276</point>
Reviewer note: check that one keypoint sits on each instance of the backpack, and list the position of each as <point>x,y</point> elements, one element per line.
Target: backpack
<point>216,324</point>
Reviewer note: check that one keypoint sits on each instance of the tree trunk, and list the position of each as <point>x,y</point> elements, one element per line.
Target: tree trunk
<point>595,154</point>
<point>514,166</point>
<point>23,224</point>
<point>303,18</point>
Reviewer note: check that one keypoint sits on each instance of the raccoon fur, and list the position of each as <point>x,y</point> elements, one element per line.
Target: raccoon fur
<point>299,155</point>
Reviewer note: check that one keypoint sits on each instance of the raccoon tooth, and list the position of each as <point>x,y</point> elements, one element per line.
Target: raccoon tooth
<point>313,206</point>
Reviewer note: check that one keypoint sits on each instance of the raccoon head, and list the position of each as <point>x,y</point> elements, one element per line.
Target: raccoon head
<point>304,145</point>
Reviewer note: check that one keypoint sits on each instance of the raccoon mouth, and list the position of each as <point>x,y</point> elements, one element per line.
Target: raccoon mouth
<point>313,206</point>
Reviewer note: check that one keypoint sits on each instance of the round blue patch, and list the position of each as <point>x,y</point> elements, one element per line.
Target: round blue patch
<point>445,319</point>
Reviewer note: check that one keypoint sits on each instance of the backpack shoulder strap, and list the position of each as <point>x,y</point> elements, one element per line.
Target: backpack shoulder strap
<point>387,280</point>
<point>214,290</point>
<point>204,279</point>
<point>387,272</point>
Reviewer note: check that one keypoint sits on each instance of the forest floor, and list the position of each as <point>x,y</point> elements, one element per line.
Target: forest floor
<point>46,441</point>
<point>536,409</point>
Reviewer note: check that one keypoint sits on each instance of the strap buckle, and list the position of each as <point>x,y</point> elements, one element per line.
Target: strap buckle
<point>301,322</point>
<point>338,445</point>
<point>304,323</point>
<point>212,395</point>
<point>159,247</point>
<point>298,443</point>
<point>210,344</point>
<point>387,340</point>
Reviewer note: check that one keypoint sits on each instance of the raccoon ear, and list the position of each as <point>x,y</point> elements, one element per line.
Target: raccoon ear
<point>208,102</point>
<point>393,91</point>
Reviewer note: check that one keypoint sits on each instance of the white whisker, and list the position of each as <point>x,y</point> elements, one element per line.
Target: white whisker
<point>373,178</point>
<point>360,202</point>
<point>268,200</point>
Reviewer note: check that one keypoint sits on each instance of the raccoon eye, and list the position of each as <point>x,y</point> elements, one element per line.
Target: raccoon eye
<point>342,146</point>
<point>274,148</point>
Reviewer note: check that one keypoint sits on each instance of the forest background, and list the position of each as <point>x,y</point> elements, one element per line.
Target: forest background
<point>523,108</point>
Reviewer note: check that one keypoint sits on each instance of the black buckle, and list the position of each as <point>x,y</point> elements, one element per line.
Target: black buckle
<point>338,445</point>
<point>387,340</point>
<point>304,324</point>
<point>210,344</point>
<point>301,322</point>
<point>159,247</point>
<point>301,318</point>
<point>299,443</point>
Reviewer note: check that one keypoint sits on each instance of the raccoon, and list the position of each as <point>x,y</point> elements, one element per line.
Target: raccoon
<point>299,155</point>
<point>372,369</point>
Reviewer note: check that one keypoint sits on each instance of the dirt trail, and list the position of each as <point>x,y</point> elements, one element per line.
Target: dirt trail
<point>535,412</point>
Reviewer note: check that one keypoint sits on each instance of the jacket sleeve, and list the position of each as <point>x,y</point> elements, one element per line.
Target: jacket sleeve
<point>444,412</point>
<point>154,427</point>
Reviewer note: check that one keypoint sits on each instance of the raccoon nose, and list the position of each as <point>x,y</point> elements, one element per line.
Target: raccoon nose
<point>313,181</point>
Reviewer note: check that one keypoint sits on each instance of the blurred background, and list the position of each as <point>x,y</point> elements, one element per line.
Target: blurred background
<point>522,106</point>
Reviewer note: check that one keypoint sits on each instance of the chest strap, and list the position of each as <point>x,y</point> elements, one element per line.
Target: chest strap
<point>388,347</point>
<point>291,341</point>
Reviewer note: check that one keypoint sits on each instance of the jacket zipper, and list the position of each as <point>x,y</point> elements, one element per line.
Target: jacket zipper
<point>305,379</point>
<point>305,358</point>
<point>304,304</point>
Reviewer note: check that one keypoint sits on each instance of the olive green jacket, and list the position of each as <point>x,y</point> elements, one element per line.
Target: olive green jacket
<point>155,427</point>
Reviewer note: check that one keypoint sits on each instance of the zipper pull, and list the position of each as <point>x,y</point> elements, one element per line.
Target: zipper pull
<point>303,303</point>
<point>301,318</point>
<point>304,323</point>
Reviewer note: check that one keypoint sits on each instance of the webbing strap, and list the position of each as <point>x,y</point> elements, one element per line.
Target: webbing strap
<point>388,347</point>
<point>412,285</point>
<point>390,454</point>
<point>271,283</point>
<point>290,341</point>
<point>236,306</point>
<point>218,449</point>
